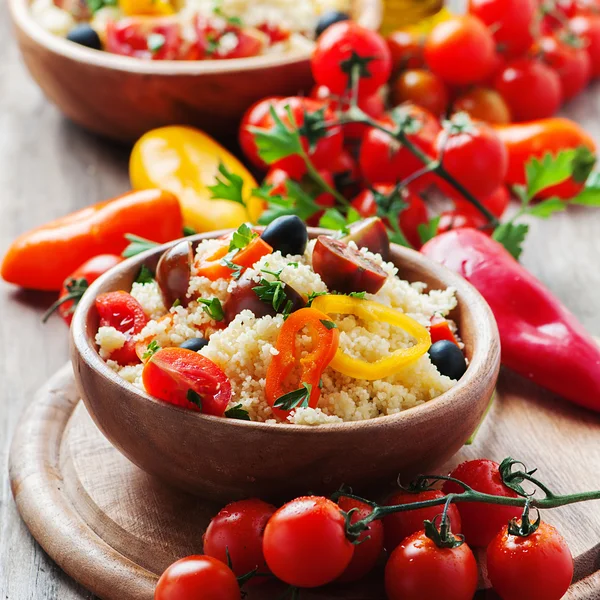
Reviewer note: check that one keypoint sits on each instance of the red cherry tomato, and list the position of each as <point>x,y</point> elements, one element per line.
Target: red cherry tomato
<point>255,116</point>
<point>187,379</point>
<point>406,49</point>
<point>123,312</point>
<point>305,542</point>
<point>398,526</point>
<point>483,104</point>
<point>384,160</point>
<point>456,219</point>
<point>277,178</point>
<point>419,570</point>
<point>422,88</point>
<point>197,577</point>
<point>323,199</point>
<point>238,530</point>
<point>337,45</point>
<point>573,65</point>
<point>370,541</point>
<point>537,566</point>
<point>587,27</point>
<point>497,203</point>
<point>562,9</point>
<point>531,89</point>
<point>132,36</point>
<point>481,522</point>
<point>475,156</point>
<point>511,21</point>
<point>460,50</point>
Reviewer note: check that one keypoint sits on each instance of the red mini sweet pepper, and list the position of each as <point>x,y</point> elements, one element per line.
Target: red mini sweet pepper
<point>541,339</point>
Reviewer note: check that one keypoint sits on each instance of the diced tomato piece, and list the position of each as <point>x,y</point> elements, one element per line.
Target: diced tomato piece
<point>440,330</point>
<point>275,33</point>
<point>252,253</point>
<point>239,43</point>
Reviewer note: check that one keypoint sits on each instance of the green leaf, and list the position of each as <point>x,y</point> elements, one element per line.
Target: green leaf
<point>583,164</point>
<point>277,142</point>
<point>511,236</point>
<point>137,245</point>
<point>194,398</point>
<point>213,308</point>
<point>333,219</point>
<point>176,303</point>
<point>360,295</point>
<point>151,350</point>
<point>546,208</point>
<point>428,231</point>
<point>273,293</point>
<point>155,42</point>
<point>236,269</point>
<point>329,324</point>
<point>228,187</point>
<point>241,237</point>
<point>356,64</point>
<point>590,195</point>
<point>295,399</point>
<point>187,231</point>
<point>314,295</point>
<point>96,5</point>
<point>520,191</point>
<point>314,128</point>
<point>549,171</point>
<point>237,412</point>
<point>145,275</point>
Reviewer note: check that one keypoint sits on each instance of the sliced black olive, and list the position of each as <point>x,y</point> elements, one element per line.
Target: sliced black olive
<point>173,273</point>
<point>370,234</point>
<point>328,18</point>
<point>86,36</point>
<point>448,359</point>
<point>288,234</point>
<point>194,344</point>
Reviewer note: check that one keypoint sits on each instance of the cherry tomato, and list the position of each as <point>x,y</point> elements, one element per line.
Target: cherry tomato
<point>305,542</point>
<point>185,378</point>
<point>323,199</point>
<point>481,522</point>
<point>531,89</point>
<point>419,570</point>
<point>456,219</point>
<point>398,526</point>
<point>511,21</point>
<point>150,38</point>
<point>409,219</point>
<point>384,160</point>
<point>587,27</point>
<point>338,45</point>
<point>422,88</point>
<point>497,203</point>
<point>460,50</point>
<point>255,116</point>
<point>562,9</point>
<point>370,541</point>
<point>483,104</point>
<point>572,64</point>
<point>123,312</point>
<point>277,178</point>
<point>198,577</point>
<point>406,49</point>
<point>537,566</point>
<point>238,530</point>
<point>475,156</point>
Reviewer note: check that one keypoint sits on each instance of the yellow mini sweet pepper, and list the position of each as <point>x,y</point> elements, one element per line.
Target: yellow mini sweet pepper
<point>374,311</point>
<point>185,161</point>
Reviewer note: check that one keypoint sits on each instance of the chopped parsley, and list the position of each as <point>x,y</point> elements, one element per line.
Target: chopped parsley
<point>295,399</point>
<point>329,324</point>
<point>145,275</point>
<point>194,398</point>
<point>241,237</point>
<point>151,350</point>
<point>213,308</point>
<point>237,412</point>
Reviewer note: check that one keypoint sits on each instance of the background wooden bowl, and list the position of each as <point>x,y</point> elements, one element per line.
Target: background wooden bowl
<point>121,97</point>
<point>223,459</point>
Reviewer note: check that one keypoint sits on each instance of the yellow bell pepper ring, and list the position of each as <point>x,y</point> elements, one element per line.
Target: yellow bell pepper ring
<point>185,161</point>
<point>374,311</point>
<point>146,7</point>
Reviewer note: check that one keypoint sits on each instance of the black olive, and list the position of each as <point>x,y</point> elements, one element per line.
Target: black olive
<point>288,234</point>
<point>448,359</point>
<point>328,18</point>
<point>86,36</point>
<point>194,344</point>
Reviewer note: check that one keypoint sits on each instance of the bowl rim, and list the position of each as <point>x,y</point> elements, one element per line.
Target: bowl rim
<point>23,20</point>
<point>85,347</point>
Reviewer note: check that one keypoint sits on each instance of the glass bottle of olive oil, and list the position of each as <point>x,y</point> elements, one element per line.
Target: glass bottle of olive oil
<point>398,14</point>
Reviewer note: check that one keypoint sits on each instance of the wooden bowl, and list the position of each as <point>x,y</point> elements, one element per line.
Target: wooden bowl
<point>122,97</point>
<point>224,459</point>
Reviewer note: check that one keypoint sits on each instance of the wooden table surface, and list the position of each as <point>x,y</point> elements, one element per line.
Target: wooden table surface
<point>49,167</point>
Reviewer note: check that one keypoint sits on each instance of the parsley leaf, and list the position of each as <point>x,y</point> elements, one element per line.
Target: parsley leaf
<point>96,5</point>
<point>295,202</point>
<point>546,208</point>
<point>151,349</point>
<point>213,308</point>
<point>428,230</point>
<point>145,275</point>
<point>329,324</point>
<point>237,412</point>
<point>548,171</point>
<point>236,269</point>
<point>295,399</point>
<point>241,237</point>
<point>333,219</point>
<point>583,163</point>
<point>511,236</point>
<point>227,187</point>
<point>189,231</point>
<point>314,295</point>
<point>360,295</point>
<point>279,141</point>
<point>590,195</point>
<point>273,293</point>
<point>137,245</point>
<point>194,398</point>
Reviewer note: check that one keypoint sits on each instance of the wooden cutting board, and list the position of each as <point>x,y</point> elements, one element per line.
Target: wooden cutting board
<point>114,529</point>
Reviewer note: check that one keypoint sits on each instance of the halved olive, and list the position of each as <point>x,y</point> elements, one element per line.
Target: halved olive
<point>344,269</point>
<point>370,234</point>
<point>173,273</point>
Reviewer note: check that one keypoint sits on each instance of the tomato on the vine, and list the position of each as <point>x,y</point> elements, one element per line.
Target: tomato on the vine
<point>537,566</point>
<point>422,88</point>
<point>398,526</point>
<point>255,116</point>
<point>197,577</point>
<point>587,27</point>
<point>497,203</point>
<point>481,522</point>
<point>483,104</point>
<point>369,543</point>
<point>343,45</point>
<point>419,570</point>
<point>406,48</point>
<point>460,50</point>
<point>237,530</point>
<point>305,542</point>
<point>531,89</point>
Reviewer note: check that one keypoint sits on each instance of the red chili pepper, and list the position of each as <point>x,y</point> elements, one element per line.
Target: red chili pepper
<point>541,339</point>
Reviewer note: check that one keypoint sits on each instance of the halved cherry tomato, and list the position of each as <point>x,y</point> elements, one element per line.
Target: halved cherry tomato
<point>587,27</point>
<point>422,88</point>
<point>406,49</point>
<point>173,273</point>
<point>123,312</point>
<point>185,378</point>
<point>255,116</point>
<point>483,104</point>
<point>440,330</point>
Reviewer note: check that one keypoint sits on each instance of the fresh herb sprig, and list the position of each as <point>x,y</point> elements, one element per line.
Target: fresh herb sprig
<point>296,399</point>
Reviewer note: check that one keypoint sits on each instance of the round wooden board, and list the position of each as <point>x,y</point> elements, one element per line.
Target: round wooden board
<point>114,529</point>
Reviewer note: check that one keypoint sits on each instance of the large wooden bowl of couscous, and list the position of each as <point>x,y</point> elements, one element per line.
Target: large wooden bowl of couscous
<point>363,434</point>
<point>122,97</point>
